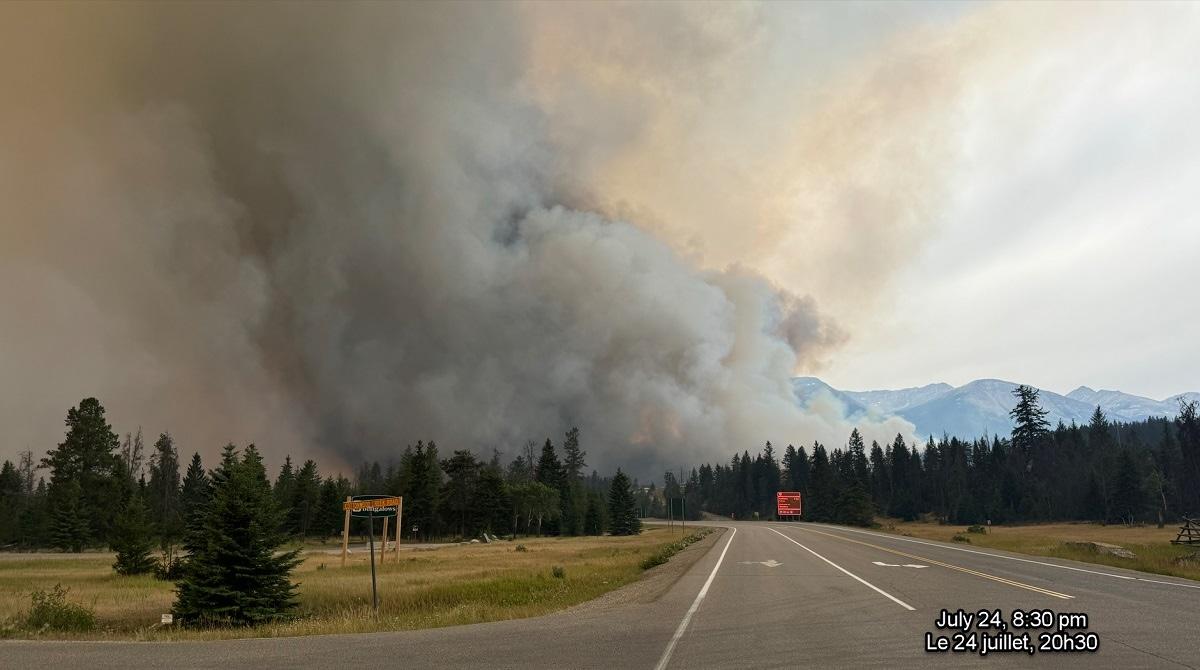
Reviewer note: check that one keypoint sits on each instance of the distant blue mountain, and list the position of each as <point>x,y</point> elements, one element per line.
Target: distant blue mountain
<point>981,407</point>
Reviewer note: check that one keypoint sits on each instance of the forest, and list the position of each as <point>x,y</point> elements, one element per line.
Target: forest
<point>96,489</point>
<point>1104,471</point>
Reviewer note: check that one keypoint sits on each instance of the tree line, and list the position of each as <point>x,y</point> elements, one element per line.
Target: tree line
<point>1104,471</point>
<point>95,489</point>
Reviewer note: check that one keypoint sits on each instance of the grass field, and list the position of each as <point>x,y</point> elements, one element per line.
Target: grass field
<point>425,588</point>
<point>1152,546</point>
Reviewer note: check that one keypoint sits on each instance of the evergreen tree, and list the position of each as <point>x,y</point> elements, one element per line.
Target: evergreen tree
<point>131,538</point>
<point>303,508</point>
<point>593,520</point>
<point>881,481</point>
<point>11,502</point>
<point>550,472</point>
<point>572,497</point>
<point>903,500</point>
<point>422,499</point>
<point>458,493</point>
<point>34,520</point>
<point>333,494</point>
<point>622,510</point>
<point>822,487</point>
<point>492,498</point>
<point>68,528</point>
<point>163,492</point>
<point>1128,495</point>
<point>236,573</point>
<point>854,506</point>
<point>1029,419</point>
<point>85,465</point>
<point>1188,428</point>
<point>573,456</point>
<point>195,491</point>
<point>857,460</point>
<point>1093,506</point>
<point>285,484</point>
<point>788,469</point>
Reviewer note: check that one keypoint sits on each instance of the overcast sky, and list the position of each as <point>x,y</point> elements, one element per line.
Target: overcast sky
<point>1066,249</point>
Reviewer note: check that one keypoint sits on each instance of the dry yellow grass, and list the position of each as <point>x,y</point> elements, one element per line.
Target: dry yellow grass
<point>1152,545</point>
<point>425,588</point>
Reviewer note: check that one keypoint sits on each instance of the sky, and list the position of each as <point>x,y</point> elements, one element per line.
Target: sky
<point>343,228</point>
<point>1066,246</point>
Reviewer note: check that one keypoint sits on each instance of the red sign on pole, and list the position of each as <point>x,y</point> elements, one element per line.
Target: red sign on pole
<point>787,503</point>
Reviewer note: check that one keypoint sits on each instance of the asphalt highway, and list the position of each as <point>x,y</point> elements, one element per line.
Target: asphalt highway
<point>766,595</point>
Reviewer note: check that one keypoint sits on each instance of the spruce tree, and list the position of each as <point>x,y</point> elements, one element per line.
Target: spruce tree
<point>1092,507</point>
<point>622,510</point>
<point>302,509</point>
<point>68,529</point>
<point>33,522</point>
<point>423,497</point>
<point>87,458</point>
<point>131,538</point>
<point>1187,425</point>
<point>163,492</point>
<point>1029,419</point>
<point>822,499</point>
<point>571,494</point>
<point>236,573</point>
<point>550,473</point>
<point>458,495</point>
<point>492,498</point>
<point>1128,496</point>
<point>285,484</point>
<point>593,520</point>
<point>11,500</point>
<point>195,492</point>
<point>854,506</point>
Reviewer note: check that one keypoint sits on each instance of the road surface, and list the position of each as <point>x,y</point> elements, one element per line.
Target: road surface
<point>765,595</point>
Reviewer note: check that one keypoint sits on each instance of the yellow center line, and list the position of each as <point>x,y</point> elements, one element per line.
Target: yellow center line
<point>985,575</point>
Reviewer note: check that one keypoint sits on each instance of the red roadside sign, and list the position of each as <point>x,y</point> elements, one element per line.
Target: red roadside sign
<point>787,503</point>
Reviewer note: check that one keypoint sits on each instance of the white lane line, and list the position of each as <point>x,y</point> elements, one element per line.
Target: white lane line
<point>687,618</point>
<point>1014,558</point>
<point>869,585</point>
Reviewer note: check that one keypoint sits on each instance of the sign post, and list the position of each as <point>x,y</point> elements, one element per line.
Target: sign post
<point>788,503</point>
<point>370,506</point>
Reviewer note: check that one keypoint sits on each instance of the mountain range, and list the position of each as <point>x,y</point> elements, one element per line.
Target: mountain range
<point>981,407</point>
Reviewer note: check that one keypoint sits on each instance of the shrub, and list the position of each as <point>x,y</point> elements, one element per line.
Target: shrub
<point>168,568</point>
<point>663,555</point>
<point>977,529</point>
<point>52,611</point>
<point>559,572</point>
<point>961,538</point>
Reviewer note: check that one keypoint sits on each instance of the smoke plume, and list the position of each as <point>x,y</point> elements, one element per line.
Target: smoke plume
<point>334,229</point>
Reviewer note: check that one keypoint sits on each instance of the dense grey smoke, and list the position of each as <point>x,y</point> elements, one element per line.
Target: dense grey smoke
<point>332,230</point>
